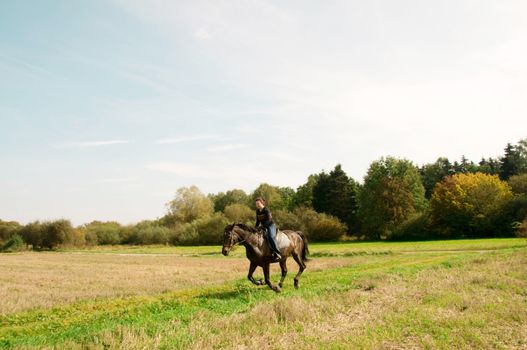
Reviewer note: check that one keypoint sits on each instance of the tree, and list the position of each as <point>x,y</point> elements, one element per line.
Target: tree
<point>335,194</point>
<point>32,234</point>
<point>518,184</point>
<point>189,204</point>
<point>468,204</point>
<point>288,197</point>
<point>8,229</point>
<point>235,196</point>
<point>98,232</point>
<point>514,161</point>
<point>272,195</point>
<point>395,205</point>
<point>56,233</point>
<point>432,173</point>
<point>239,213</point>
<point>304,193</point>
<point>391,193</point>
<point>489,166</point>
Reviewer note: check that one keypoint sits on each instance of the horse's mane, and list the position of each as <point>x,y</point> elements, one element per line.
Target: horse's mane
<point>248,228</point>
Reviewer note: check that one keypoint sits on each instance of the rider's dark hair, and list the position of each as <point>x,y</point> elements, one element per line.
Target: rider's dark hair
<point>260,199</point>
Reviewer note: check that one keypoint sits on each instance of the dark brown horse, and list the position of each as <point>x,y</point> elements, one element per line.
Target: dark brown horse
<point>259,254</point>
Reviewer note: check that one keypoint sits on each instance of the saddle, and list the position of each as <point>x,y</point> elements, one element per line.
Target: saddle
<point>282,241</point>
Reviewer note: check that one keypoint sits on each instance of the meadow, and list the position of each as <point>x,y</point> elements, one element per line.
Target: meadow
<point>354,295</point>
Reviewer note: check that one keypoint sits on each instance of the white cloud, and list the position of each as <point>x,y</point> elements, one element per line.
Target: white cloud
<point>203,33</point>
<point>186,139</point>
<point>181,169</point>
<point>86,144</point>
<point>224,148</point>
<point>118,180</point>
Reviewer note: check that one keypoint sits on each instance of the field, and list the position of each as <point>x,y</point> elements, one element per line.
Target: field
<point>420,295</point>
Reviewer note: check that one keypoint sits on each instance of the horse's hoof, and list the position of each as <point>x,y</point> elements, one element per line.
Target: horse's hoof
<point>277,289</point>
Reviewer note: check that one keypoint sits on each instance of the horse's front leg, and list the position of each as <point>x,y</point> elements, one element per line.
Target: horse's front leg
<point>283,267</point>
<point>252,267</point>
<point>268,280</point>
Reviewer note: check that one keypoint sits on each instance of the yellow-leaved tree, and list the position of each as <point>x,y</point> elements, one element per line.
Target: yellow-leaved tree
<point>468,204</point>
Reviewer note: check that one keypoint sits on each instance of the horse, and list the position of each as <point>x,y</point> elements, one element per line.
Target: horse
<point>259,253</point>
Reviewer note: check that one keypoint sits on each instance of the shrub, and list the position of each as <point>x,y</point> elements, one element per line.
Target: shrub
<point>75,238</point>
<point>8,229</point>
<point>522,230</point>
<point>239,213</point>
<point>13,244</point>
<point>106,232</point>
<point>201,231</point>
<point>55,233</point>
<point>210,230</point>
<point>320,226</point>
<point>32,234</point>
<point>286,220</point>
<point>417,227</point>
<point>146,232</point>
<point>183,234</point>
<point>326,228</point>
<point>518,184</point>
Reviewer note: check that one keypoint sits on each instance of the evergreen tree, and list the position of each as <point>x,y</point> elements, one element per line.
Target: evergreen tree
<point>510,162</point>
<point>433,173</point>
<point>335,194</point>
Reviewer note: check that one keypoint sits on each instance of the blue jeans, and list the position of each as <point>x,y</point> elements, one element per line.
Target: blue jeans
<point>271,237</point>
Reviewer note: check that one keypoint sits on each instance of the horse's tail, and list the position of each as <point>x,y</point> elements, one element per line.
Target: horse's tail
<point>305,248</point>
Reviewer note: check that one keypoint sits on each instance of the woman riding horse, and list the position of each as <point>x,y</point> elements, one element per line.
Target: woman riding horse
<point>259,253</point>
<point>264,218</point>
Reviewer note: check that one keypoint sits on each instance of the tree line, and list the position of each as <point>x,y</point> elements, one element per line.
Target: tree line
<point>397,200</point>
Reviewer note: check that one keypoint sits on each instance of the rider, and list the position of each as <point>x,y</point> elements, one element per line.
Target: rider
<point>264,218</point>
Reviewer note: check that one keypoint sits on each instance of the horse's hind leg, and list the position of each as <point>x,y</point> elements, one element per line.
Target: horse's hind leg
<point>283,266</point>
<point>301,269</point>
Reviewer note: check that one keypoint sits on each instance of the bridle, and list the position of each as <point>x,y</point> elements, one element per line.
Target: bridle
<point>232,244</point>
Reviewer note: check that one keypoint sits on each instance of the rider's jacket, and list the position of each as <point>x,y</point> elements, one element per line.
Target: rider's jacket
<point>263,217</point>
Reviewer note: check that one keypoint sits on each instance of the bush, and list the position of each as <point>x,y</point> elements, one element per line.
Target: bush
<point>320,226</point>
<point>13,244</point>
<point>518,184</point>
<point>210,230</point>
<point>239,213</point>
<point>75,238</point>
<point>326,228</point>
<point>8,229</point>
<point>286,220</point>
<point>202,231</point>
<point>32,234</point>
<point>522,230</point>
<point>146,232</point>
<point>183,234</point>
<point>55,233</point>
<point>416,228</point>
<point>106,232</point>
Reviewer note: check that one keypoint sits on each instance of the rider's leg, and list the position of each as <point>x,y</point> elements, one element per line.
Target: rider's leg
<point>271,234</point>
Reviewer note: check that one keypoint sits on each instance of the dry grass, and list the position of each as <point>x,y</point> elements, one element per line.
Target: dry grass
<point>42,280</point>
<point>483,305</point>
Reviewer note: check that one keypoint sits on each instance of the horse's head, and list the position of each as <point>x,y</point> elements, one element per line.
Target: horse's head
<point>230,238</point>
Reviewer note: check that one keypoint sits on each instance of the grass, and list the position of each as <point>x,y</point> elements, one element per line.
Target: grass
<point>445,295</point>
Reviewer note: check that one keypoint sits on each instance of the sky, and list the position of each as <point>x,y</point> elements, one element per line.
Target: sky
<point>108,107</point>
